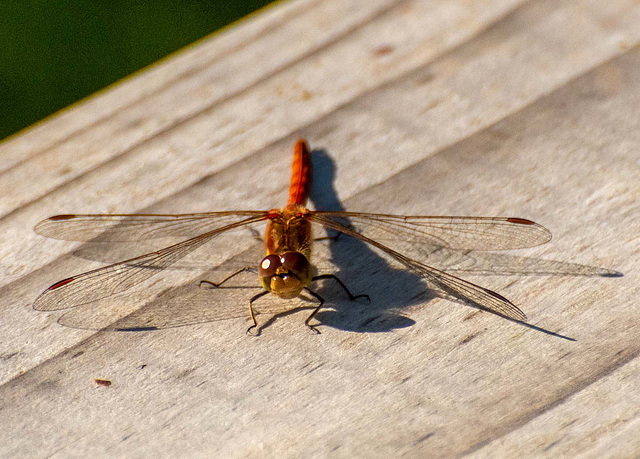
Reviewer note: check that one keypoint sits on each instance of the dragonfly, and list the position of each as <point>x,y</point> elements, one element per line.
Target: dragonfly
<point>286,270</point>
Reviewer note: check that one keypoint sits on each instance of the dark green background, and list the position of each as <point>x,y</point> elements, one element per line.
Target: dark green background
<point>53,53</point>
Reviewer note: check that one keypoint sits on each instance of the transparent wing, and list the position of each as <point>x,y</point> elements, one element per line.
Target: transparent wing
<point>136,227</point>
<point>109,280</point>
<point>168,304</point>
<point>451,285</point>
<point>476,233</point>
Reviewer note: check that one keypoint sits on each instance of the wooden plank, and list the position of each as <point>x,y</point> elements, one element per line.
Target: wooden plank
<point>500,108</point>
<point>227,63</point>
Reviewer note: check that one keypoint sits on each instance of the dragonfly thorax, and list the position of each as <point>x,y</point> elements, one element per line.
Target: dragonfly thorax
<point>289,230</point>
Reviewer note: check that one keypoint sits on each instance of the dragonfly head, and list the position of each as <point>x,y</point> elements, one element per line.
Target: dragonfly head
<point>285,275</point>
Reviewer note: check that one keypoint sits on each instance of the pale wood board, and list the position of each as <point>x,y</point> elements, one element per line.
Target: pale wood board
<point>493,107</point>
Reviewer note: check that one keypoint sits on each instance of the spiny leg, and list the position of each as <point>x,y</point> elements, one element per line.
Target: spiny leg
<point>315,311</point>
<point>344,287</point>
<point>253,316</point>
<point>210,284</point>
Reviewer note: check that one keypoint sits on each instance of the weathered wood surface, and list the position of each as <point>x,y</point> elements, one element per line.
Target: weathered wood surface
<point>494,107</point>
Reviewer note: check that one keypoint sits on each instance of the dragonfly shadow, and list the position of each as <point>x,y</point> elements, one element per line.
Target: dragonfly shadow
<point>361,269</point>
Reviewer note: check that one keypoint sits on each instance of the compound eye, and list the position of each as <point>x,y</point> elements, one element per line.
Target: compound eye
<point>295,262</point>
<point>269,265</point>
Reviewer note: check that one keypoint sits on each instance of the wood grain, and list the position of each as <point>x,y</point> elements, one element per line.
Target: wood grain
<point>495,107</point>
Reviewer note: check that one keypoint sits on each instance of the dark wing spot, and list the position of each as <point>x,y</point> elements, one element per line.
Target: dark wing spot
<point>61,283</point>
<point>521,221</point>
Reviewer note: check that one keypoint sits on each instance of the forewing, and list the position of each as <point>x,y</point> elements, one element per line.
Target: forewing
<point>451,285</point>
<point>137,227</point>
<point>475,233</point>
<point>109,280</point>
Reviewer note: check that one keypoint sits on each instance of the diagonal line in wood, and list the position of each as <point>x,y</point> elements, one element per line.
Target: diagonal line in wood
<point>577,388</point>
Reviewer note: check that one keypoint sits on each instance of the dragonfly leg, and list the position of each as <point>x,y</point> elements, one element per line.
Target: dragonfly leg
<point>344,287</point>
<point>315,311</point>
<point>256,234</point>
<point>209,284</point>
<point>251,313</point>
<point>329,238</point>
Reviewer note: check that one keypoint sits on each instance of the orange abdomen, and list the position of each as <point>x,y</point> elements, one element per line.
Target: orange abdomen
<point>300,174</point>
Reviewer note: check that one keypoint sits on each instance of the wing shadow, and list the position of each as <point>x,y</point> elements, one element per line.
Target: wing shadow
<point>394,289</point>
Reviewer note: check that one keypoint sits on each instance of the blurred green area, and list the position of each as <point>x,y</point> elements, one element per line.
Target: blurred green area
<point>53,53</point>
